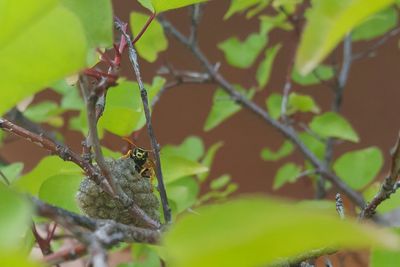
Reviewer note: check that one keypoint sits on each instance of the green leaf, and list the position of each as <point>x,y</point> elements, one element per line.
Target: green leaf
<point>328,22</point>
<point>220,182</point>
<point>26,245</point>
<point>43,111</point>
<point>48,166</point>
<point>278,21</point>
<point>322,72</point>
<point>224,107</point>
<point>218,195</point>
<point>163,5</point>
<point>183,192</point>
<point>108,153</point>
<point>208,159</point>
<point>155,87</point>
<point>124,113</point>
<point>147,4</point>
<point>288,5</point>
<point>376,25</point>
<point>62,87</point>
<point>121,121</point>
<point>12,171</point>
<point>14,259</point>
<point>96,17</point>
<point>240,5</point>
<point>192,148</point>
<point>331,124</point>
<point>60,190</point>
<point>265,67</point>
<point>29,28</point>
<point>72,100</point>
<point>274,105</point>
<point>313,144</point>
<point>380,258</point>
<point>301,103</point>
<point>243,228</point>
<point>243,54</point>
<point>152,41</point>
<point>288,173</point>
<point>320,204</point>
<point>143,256</point>
<point>257,9</point>
<point>358,168</point>
<point>285,150</point>
<point>124,109</point>
<point>175,167</point>
<point>15,218</point>
<point>79,123</point>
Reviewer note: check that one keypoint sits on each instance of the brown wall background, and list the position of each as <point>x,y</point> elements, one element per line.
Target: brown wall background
<point>371,103</point>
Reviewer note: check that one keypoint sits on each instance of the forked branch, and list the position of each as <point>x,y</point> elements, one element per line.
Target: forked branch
<point>154,144</point>
<point>388,186</point>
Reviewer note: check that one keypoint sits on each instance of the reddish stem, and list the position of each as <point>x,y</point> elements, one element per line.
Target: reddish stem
<point>120,48</point>
<point>43,244</point>
<point>50,234</point>
<point>67,254</point>
<point>148,22</point>
<point>98,74</point>
<point>104,57</point>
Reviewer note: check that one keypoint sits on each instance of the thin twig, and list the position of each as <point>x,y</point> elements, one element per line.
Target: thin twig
<point>154,144</point>
<point>64,255</point>
<point>388,186</point>
<point>43,243</point>
<point>196,13</point>
<point>336,105</point>
<point>262,114</point>
<point>17,117</point>
<point>93,137</point>
<point>146,25</point>
<point>181,77</point>
<point>377,44</point>
<point>63,152</point>
<point>92,172</point>
<point>107,232</point>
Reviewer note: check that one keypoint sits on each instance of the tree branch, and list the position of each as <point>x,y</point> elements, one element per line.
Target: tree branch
<point>312,254</point>
<point>103,233</point>
<point>92,172</point>
<point>196,13</point>
<point>181,77</point>
<point>154,144</point>
<point>388,186</point>
<point>288,132</point>
<point>377,44</point>
<point>336,105</point>
<point>93,137</point>
<point>64,255</point>
<point>113,231</point>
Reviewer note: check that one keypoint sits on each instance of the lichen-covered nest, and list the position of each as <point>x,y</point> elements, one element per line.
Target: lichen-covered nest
<point>96,203</point>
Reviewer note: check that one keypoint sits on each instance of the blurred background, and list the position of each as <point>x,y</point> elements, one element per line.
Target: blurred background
<point>371,104</point>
